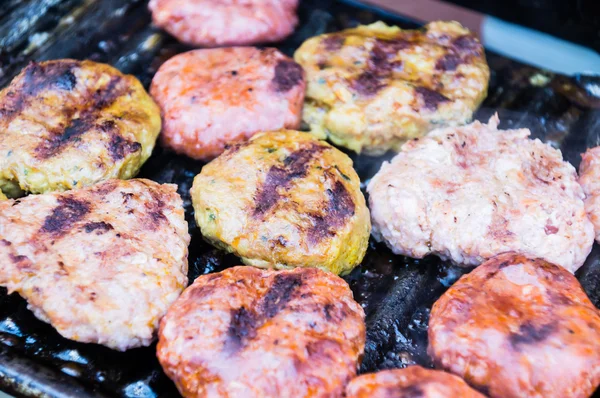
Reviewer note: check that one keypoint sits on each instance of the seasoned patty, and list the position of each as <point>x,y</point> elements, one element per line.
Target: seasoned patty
<point>284,199</point>
<point>68,124</point>
<point>100,264</point>
<point>469,193</point>
<point>246,332</point>
<point>210,23</point>
<point>2,196</point>
<point>213,98</point>
<point>589,178</point>
<point>517,327</point>
<point>374,87</point>
<point>411,382</point>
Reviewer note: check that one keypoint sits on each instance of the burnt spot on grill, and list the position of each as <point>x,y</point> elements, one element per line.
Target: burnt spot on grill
<point>530,334</point>
<point>86,120</point>
<point>431,99</point>
<point>100,227</point>
<point>279,294</point>
<point>68,212</point>
<point>280,177</point>
<point>333,42</point>
<point>340,207</point>
<point>241,329</point>
<point>448,62</point>
<point>368,83</point>
<point>36,79</point>
<point>288,74</point>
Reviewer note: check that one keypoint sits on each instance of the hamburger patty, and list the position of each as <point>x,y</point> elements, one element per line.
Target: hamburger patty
<point>246,332</point>
<point>517,327</point>
<point>411,382</point>
<point>100,264</point>
<point>68,124</point>
<point>210,23</point>
<point>589,178</point>
<point>470,193</point>
<point>374,87</point>
<point>284,199</point>
<point>213,98</point>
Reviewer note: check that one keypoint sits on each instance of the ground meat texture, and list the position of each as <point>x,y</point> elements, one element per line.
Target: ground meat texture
<point>246,332</point>
<point>411,382</point>
<point>69,124</point>
<point>372,88</point>
<point>209,23</point>
<point>214,98</point>
<point>518,327</point>
<point>470,193</point>
<point>100,264</point>
<point>284,199</point>
<point>589,178</point>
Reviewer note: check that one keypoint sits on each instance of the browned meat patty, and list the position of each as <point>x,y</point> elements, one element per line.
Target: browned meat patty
<point>589,178</point>
<point>246,332</point>
<point>100,264</point>
<point>412,382</point>
<point>69,124</point>
<point>225,22</point>
<point>518,327</point>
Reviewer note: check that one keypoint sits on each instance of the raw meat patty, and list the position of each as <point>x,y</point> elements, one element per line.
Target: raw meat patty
<point>100,264</point>
<point>469,193</point>
<point>371,88</point>
<point>246,332</point>
<point>213,98</point>
<point>517,327</point>
<point>589,178</point>
<point>226,22</point>
<point>69,124</point>
<point>284,199</point>
<point>411,382</point>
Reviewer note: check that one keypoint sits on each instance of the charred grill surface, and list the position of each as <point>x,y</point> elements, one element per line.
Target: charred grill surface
<point>396,292</point>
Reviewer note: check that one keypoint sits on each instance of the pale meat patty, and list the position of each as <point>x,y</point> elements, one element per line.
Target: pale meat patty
<point>209,23</point>
<point>69,124</point>
<point>284,199</point>
<point>100,264</point>
<point>371,88</point>
<point>589,178</point>
<point>246,332</point>
<point>213,98</point>
<point>517,327</point>
<point>469,193</point>
<point>411,382</point>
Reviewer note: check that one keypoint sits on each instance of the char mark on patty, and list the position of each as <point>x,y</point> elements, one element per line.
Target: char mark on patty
<point>288,74</point>
<point>37,79</point>
<point>333,42</point>
<point>100,227</point>
<point>449,62</point>
<point>368,83</point>
<point>118,147</point>
<point>340,207</point>
<point>295,166</point>
<point>245,323</point>
<point>431,99</point>
<point>60,138</point>
<point>68,212</point>
<point>530,334</point>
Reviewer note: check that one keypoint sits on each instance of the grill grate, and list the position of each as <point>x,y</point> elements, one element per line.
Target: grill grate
<point>396,292</point>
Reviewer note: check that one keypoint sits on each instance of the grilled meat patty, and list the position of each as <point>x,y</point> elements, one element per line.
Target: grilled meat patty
<point>213,98</point>
<point>589,178</point>
<point>469,193</point>
<point>210,23</point>
<point>411,382</point>
<point>246,332</point>
<point>374,87</point>
<point>100,264</point>
<point>518,327</point>
<point>2,196</point>
<point>66,124</point>
<point>284,199</point>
